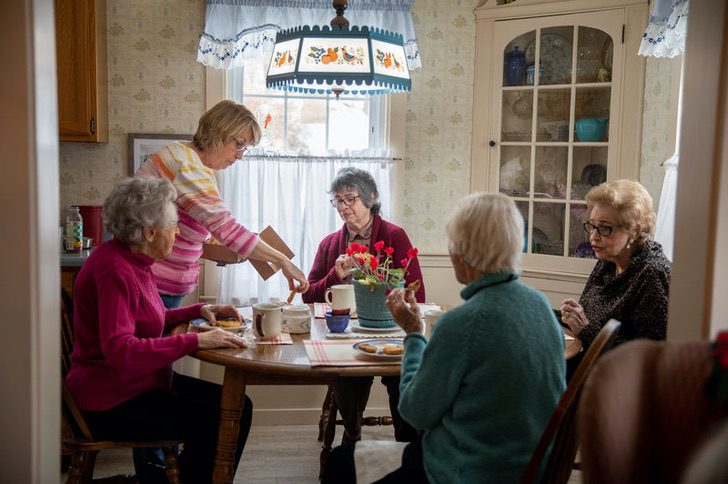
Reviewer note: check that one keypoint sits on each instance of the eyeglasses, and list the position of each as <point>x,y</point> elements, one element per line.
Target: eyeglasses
<point>240,146</point>
<point>603,230</point>
<point>348,201</point>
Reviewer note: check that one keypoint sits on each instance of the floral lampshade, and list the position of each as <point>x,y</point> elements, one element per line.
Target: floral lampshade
<point>339,59</point>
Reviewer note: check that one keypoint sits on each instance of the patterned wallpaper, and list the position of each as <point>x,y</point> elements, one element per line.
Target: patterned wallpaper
<point>156,86</point>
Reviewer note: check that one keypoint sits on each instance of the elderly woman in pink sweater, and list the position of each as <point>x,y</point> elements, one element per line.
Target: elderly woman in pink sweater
<point>121,375</point>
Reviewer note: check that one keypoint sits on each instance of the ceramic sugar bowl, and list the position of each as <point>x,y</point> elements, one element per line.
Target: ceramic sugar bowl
<point>296,319</point>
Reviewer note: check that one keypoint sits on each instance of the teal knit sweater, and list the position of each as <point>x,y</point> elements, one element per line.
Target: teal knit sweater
<point>485,385</point>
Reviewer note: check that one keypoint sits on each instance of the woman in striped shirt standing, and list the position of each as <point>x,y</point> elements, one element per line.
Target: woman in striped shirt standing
<point>223,135</point>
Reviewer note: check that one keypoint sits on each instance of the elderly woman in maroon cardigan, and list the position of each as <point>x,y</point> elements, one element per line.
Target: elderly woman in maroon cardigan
<point>357,200</point>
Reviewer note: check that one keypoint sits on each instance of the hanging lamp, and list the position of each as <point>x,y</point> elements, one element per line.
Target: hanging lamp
<point>339,59</point>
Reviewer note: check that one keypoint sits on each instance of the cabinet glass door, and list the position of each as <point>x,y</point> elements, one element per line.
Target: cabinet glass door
<point>556,94</point>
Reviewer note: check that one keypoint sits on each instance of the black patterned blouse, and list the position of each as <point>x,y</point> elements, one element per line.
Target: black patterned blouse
<point>637,297</point>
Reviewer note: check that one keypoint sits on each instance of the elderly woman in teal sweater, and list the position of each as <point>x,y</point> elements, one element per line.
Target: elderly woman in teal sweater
<point>485,384</point>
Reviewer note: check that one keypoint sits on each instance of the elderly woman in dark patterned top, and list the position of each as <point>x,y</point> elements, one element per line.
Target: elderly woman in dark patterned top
<point>631,280</point>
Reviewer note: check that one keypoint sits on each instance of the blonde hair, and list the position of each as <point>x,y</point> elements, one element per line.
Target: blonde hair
<point>222,122</point>
<point>631,201</point>
<point>486,230</point>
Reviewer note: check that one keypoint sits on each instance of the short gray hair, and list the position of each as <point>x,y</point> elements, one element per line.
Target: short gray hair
<point>136,203</point>
<point>486,230</point>
<point>364,183</point>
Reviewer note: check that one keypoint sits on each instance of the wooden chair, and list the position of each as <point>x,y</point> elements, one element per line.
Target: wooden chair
<point>561,428</point>
<point>76,436</point>
<point>328,422</point>
<point>645,412</point>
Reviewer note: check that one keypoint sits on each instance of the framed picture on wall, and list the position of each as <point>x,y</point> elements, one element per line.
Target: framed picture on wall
<point>141,145</point>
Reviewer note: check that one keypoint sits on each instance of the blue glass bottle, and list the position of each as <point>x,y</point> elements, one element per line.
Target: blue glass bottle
<point>514,67</point>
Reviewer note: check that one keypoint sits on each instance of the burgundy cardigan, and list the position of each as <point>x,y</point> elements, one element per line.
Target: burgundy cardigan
<point>323,273</point>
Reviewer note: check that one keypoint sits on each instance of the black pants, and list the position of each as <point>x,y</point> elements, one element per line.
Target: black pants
<point>190,412</point>
<point>340,468</point>
<point>352,395</point>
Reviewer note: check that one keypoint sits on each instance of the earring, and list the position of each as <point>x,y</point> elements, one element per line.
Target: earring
<point>629,244</point>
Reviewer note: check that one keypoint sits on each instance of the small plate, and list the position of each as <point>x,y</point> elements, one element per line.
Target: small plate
<point>379,345</point>
<point>203,325</point>
<point>354,324</point>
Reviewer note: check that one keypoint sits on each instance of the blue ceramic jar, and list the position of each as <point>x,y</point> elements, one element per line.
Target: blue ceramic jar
<point>514,67</point>
<point>591,129</point>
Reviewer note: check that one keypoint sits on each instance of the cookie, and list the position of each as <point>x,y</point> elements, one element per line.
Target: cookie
<point>393,349</point>
<point>368,348</point>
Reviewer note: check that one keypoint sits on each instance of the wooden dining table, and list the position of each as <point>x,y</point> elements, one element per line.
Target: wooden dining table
<point>265,364</point>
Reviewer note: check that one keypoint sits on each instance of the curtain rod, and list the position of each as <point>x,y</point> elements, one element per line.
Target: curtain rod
<point>327,158</point>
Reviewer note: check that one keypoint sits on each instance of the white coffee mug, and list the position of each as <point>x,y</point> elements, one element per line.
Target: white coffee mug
<point>341,296</point>
<point>296,319</point>
<point>266,321</point>
<point>431,318</point>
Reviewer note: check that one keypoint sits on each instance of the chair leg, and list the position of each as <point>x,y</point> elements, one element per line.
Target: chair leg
<point>82,467</point>
<point>324,414</point>
<point>170,460</point>
<point>329,433</point>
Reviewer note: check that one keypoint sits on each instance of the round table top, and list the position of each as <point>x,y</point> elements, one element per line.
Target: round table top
<point>291,359</point>
<point>286,360</point>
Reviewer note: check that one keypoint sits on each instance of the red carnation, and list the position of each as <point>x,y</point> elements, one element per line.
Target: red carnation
<point>404,262</point>
<point>412,253</point>
<point>379,245</point>
<point>373,263</point>
<point>389,250</point>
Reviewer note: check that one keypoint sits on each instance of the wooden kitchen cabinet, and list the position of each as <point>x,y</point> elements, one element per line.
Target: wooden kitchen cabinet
<point>81,66</point>
<point>557,109</point>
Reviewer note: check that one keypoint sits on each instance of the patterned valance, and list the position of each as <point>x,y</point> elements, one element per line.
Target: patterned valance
<point>236,30</point>
<point>665,34</point>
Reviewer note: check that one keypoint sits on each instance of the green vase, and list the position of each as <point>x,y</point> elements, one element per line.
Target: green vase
<point>371,306</point>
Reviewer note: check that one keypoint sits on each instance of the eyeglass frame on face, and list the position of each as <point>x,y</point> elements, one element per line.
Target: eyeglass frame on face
<point>348,201</point>
<point>602,230</point>
<point>240,146</point>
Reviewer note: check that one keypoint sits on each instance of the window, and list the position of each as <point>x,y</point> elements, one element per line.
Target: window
<point>283,182</point>
<point>311,123</point>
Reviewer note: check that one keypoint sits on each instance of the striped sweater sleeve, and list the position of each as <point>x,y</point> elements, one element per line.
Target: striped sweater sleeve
<point>198,196</point>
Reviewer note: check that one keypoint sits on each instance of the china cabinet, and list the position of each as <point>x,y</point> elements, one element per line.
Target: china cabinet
<point>557,110</point>
<point>81,70</point>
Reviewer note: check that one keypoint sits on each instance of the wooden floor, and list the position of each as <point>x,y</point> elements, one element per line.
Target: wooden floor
<point>280,454</point>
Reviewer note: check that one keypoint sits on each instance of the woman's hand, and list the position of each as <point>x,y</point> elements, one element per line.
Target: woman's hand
<point>219,338</point>
<point>212,311</point>
<point>572,314</point>
<point>293,273</point>
<point>401,302</point>
<point>343,266</point>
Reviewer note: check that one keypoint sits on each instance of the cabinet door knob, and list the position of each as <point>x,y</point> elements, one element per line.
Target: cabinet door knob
<point>491,143</point>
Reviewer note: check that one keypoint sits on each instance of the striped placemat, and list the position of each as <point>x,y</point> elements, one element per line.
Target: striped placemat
<point>340,353</point>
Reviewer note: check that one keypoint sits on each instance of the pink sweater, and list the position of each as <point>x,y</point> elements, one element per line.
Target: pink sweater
<point>201,212</point>
<point>119,351</point>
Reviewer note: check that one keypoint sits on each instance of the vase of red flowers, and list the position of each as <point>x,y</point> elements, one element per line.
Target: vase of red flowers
<point>374,276</point>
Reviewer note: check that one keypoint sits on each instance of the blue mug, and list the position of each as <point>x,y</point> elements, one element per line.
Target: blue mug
<point>337,323</point>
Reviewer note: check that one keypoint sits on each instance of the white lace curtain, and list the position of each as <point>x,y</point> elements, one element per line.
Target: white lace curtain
<point>666,29</point>
<point>291,195</point>
<point>237,29</point>
<point>665,37</point>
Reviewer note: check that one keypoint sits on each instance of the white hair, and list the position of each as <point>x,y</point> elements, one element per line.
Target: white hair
<point>136,203</point>
<point>486,230</point>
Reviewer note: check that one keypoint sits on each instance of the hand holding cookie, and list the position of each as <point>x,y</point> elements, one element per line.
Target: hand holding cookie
<point>401,302</point>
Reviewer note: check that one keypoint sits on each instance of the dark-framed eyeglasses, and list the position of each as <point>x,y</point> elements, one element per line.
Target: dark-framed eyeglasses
<point>348,201</point>
<point>603,230</point>
<point>240,146</point>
